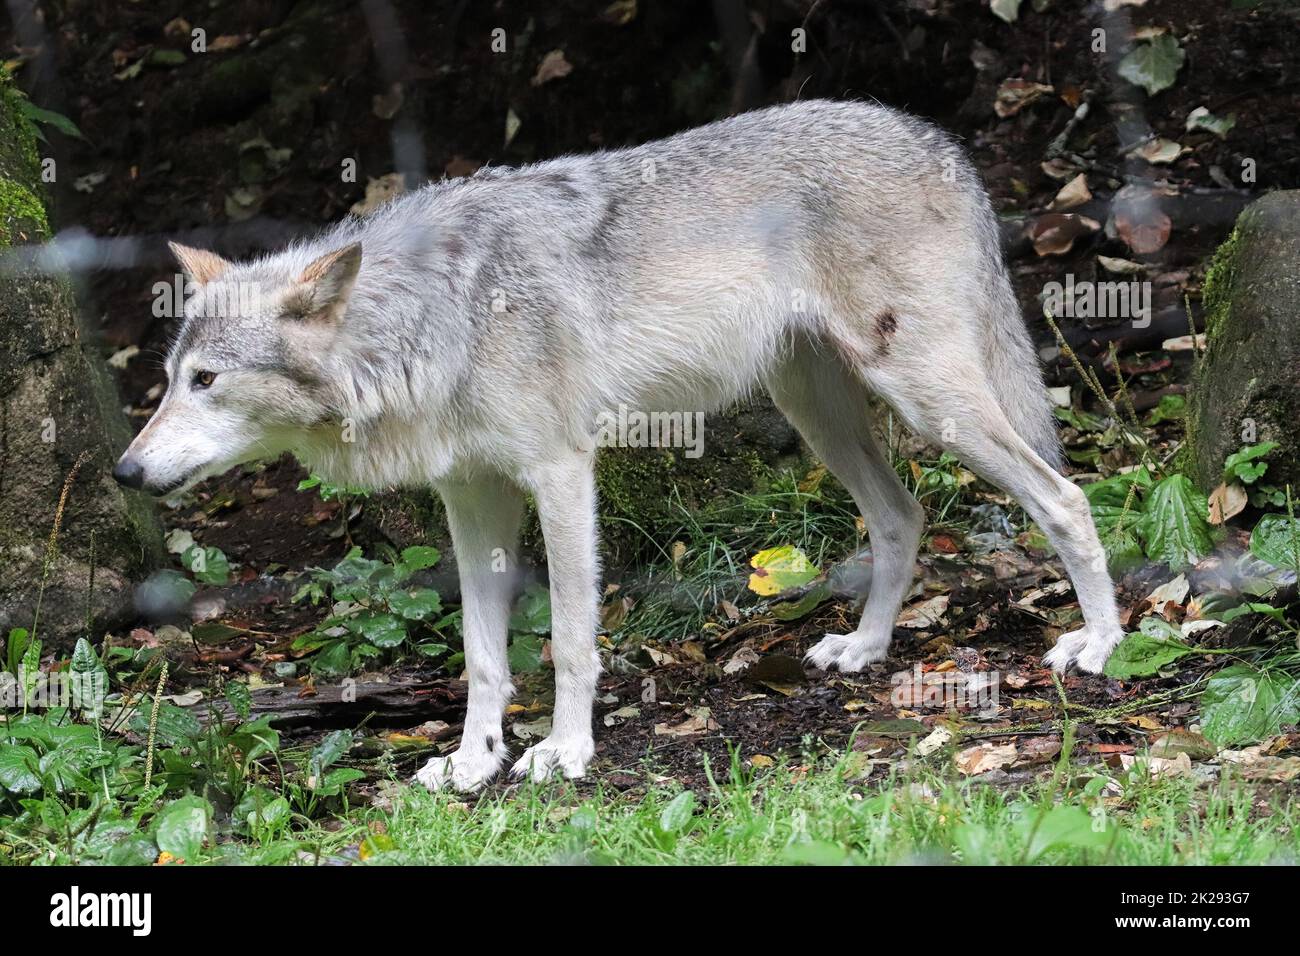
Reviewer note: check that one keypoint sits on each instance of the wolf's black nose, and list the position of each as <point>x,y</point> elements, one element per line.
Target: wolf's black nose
<point>129,473</point>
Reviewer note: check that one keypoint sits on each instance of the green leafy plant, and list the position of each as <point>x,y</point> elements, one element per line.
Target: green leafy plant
<point>35,117</point>
<point>1243,704</point>
<point>376,611</point>
<point>329,491</point>
<point>1276,539</point>
<point>530,622</point>
<point>208,565</point>
<point>1246,467</point>
<point>1153,65</point>
<point>1139,518</point>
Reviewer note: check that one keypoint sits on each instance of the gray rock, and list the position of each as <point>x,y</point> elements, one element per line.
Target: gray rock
<point>57,407</point>
<point>1247,386</point>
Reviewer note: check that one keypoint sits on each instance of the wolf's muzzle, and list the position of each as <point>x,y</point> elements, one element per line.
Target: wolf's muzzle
<point>129,473</point>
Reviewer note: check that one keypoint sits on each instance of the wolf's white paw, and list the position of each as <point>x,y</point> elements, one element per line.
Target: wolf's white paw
<point>568,756</point>
<point>463,770</point>
<point>849,652</point>
<point>1065,650</point>
<point>1083,648</point>
<point>1094,656</point>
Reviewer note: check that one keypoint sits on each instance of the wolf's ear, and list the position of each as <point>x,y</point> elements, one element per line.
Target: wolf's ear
<point>329,282</point>
<point>200,265</point>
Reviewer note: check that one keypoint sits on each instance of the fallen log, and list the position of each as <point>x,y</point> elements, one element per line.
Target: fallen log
<point>347,705</point>
<point>1215,209</point>
<point>1092,345</point>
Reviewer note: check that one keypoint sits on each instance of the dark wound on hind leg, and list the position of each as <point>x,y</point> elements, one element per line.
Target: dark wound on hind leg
<point>886,325</point>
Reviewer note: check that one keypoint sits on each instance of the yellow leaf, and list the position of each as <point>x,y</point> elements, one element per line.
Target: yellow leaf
<point>780,569</point>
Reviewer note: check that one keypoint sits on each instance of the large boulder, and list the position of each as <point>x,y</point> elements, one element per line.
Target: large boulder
<point>1247,386</point>
<point>57,408</point>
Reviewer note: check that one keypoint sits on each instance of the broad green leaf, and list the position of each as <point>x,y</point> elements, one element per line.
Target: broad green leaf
<point>677,815</point>
<point>19,769</point>
<point>67,767</point>
<point>1243,705</point>
<point>1113,491</point>
<point>31,670</point>
<point>239,697</point>
<point>335,780</point>
<point>1172,408</point>
<point>525,653</point>
<point>793,610</point>
<point>89,679</point>
<point>1116,524</point>
<point>1080,419</point>
<point>333,746</point>
<point>208,565</point>
<point>49,118</point>
<point>1244,464</point>
<point>333,659</point>
<point>380,629</point>
<point>183,827</point>
<point>1065,826</point>
<point>15,647</point>
<point>1252,607</point>
<point>1145,652</point>
<point>137,850</point>
<point>415,604</point>
<point>532,612</point>
<point>1276,539</point>
<point>214,632</point>
<point>269,817</point>
<point>780,569</point>
<point>1153,65</point>
<point>176,725</point>
<point>1175,524</point>
<point>84,659</point>
<point>255,738</point>
<point>419,557</point>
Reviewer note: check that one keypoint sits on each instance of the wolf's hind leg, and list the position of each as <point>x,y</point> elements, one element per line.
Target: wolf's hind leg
<point>484,518</point>
<point>827,403</point>
<point>959,410</point>
<point>565,491</point>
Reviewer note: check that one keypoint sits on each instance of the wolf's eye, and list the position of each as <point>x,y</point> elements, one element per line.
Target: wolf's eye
<point>204,379</point>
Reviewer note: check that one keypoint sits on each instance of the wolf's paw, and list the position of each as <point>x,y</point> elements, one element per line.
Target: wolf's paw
<point>1083,648</point>
<point>463,770</point>
<point>567,756</point>
<point>849,652</point>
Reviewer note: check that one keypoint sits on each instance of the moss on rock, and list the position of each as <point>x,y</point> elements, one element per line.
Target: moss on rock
<point>1247,384</point>
<point>57,407</point>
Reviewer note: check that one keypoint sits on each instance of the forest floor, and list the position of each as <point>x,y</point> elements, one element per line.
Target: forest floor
<point>704,689</point>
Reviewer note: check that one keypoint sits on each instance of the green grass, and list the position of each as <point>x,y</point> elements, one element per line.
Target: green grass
<point>822,816</point>
<point>676,596</point>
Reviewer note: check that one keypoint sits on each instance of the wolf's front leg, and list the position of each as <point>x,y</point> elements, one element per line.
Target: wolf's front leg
<point>484,519</point>
<point>566,504</point>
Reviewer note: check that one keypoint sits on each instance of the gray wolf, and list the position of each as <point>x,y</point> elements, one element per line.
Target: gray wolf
<point>469,335</point>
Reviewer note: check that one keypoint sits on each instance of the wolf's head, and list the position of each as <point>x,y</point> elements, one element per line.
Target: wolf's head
<point>250,372</point>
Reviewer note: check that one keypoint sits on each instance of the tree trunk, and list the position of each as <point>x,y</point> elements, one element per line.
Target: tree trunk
<point>1247,386</point>
<point>57,408</point>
